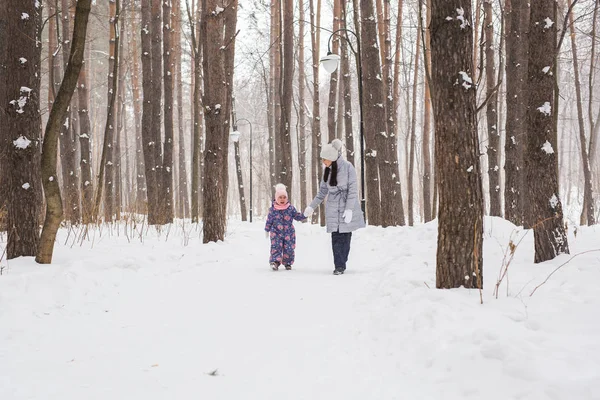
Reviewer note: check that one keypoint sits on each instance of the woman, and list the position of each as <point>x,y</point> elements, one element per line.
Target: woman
<point>342,209</point>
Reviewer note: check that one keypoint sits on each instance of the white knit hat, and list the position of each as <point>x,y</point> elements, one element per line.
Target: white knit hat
<point>331,151</point>
<point>280,189</point>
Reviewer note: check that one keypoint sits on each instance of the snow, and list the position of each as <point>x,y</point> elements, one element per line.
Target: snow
<point>218,10</point>
<point>21,142</point>
<point>467,81</point>
<point>22,60</point>
<point>546,69</point>
<point>545,109</point>
<point>547,147</point>
<point>165,317</point>
<point>24,16</point>
<point>26,185</point>
<point>554,201</point>
<point>548,23</point>
<point>461,17</point>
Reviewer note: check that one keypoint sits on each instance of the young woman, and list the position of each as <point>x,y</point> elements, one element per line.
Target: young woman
<point>342,209</point>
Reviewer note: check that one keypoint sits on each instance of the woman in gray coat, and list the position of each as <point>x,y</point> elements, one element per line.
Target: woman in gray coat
<point>342,209</point>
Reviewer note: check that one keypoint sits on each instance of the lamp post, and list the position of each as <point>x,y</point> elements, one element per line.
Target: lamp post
<point>235,136</point>
<point>330,63</point>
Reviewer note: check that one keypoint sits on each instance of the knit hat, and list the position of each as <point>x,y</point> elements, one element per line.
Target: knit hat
<point>280,190</point>
<point>331,151</point>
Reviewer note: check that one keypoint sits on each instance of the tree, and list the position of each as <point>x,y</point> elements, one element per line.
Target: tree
<point>21,103</point>
<point>587,212</point>
<point>85,131</point>
<point>4,133</point>
<point>516,20</point>
<point>459,253</point>
<point>493,145</point>
<point>218,45</point>
<point>167,171</point>
<point>374,107</point>
<point>183,209</point>
<point>302,147</point>
<point>413,132</point>
<point>68,144</point>
<point>49,149</point>
<point>287,93</point>
<point>541,169</point>
<point>315,35</point>
<point>106,175</point>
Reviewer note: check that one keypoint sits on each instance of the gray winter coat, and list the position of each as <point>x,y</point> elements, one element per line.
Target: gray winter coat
<point>342,197</point>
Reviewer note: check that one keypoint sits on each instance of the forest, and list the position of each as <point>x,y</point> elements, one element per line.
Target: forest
<point>161,111</point>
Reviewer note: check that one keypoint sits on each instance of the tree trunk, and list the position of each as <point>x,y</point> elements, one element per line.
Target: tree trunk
<point>396,97</point>
<point>68,144</point>
<point>460,227</point>
<point>106,175</point>
<point>218,46</point>
<point>4,130</point>
<point>413,132</point>
<point>493,146</point>
<point>594,125</point>
<point>302,149</point>
<point>140,175</point>
<point>238,164</point>
<point>587,213</point>
<point>183,205</point>
<point>21,102</point>
<point>167,171</point>
<point>374,109</point>
<point>392,209</point>
<point>161,216</point>
<point>57,116</point>
<point>333,78</point>
<point>315,34</point>
<point>286,172</point>
<point>85,131</point>
<point>428,214</point>
<point>544,203</point>
<point>516,108</point>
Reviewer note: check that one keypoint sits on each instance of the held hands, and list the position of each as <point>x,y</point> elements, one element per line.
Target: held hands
<point>308,211</point>
<point>347,216</point>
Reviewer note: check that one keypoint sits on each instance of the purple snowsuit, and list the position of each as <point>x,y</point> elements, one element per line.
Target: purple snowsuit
<point>283,235</point>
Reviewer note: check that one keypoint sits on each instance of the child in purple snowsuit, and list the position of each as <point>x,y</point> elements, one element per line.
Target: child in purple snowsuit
<point>280,228</point>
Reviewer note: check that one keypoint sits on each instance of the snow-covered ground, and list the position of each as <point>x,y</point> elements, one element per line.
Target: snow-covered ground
<point>162,316</point>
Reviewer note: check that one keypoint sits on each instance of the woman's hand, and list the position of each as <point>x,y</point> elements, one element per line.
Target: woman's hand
<point>308,211</point>
<point>347,216</point>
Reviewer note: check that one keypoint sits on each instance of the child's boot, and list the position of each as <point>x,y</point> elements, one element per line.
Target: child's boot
<point>275,266</point>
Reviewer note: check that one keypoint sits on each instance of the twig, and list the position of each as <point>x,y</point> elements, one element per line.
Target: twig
<point>559,267</point>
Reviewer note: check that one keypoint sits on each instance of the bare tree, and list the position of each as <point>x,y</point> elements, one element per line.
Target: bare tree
<point>4,132</point>
<point>413,131</point>
<point>333,78</point>
<point>460,227</point>
<point>517,21</point>
<point>587,212</point>
<point>167,167</point>
<point>428,204</point>
<point>22,128</point>
<point>374,109</point>
<point>287,93</point>
<point>493,145</point>
<point>302,149</point>
<point>218,49</point>
<point>315,20</point>
<point>183,208</point>
<point>106,175</point>
<point>544,205</point>
<point>49,150</point>
<point>68,148</point>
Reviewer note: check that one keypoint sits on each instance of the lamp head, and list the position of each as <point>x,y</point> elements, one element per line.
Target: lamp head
<point>235,135</point>
<point>330,62</point>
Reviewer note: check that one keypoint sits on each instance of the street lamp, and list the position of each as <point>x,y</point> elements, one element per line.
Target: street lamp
<point>330,63</point>
<point>235,136</point>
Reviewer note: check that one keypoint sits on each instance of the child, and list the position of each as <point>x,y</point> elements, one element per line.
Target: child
<point>280,229</point>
